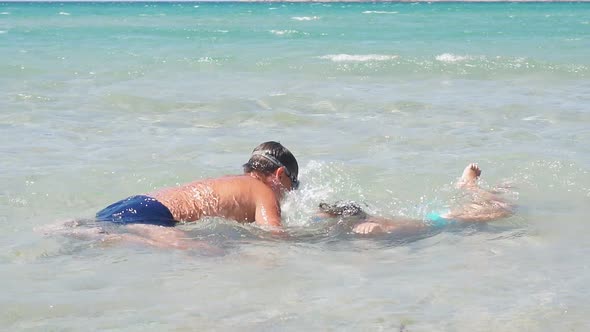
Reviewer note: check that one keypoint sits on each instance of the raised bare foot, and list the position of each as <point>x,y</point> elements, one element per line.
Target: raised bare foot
<point>469,177</point>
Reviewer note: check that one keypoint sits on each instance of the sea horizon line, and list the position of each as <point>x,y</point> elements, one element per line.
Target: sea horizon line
<point>294,1</point>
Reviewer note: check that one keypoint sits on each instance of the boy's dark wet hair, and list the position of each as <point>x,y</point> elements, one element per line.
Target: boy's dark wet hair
<point>343,209</point>
<point>269,156</point>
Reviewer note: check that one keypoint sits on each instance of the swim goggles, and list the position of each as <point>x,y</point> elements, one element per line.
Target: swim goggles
<point>276,162</point>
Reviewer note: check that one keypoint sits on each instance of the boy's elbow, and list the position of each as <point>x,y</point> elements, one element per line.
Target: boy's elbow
<point>272,222</point>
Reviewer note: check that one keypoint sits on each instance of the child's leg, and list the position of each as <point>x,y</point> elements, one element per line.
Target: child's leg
<point>486,206</point>
<point>164,237</point>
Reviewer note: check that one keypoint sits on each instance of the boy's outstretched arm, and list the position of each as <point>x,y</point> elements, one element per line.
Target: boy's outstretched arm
<point>378,225</point>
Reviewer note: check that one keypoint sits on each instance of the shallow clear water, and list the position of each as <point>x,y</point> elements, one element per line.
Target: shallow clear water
<point>381,103</point>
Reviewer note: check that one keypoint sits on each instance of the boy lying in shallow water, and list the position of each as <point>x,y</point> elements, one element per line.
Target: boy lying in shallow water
<point>485,207</point>
<point>251,197</point>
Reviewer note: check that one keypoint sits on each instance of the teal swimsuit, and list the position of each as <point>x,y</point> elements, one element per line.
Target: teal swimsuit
<point>435,219</point>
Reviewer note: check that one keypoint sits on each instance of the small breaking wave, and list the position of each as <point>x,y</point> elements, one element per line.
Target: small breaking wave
<point>451,58</point>
<point>287,32</point>
<point>305,18</point>
<point>357,57</point>
<point>466,65</point>
<point>64,13</point>
<point>207,59</point>
<point>378,12</point>
<point>5,13</point>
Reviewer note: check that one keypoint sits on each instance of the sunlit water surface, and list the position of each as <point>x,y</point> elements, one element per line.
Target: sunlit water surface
<point>383,104</point>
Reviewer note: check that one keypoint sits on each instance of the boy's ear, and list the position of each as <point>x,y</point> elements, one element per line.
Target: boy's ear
<point>279,172</point>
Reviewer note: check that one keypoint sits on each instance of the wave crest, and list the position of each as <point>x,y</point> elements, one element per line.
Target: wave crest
<point>357,57</point>
<point>305,18</point>
<point>450,58</point>
<point>378,12</point>
<point>287,32</point>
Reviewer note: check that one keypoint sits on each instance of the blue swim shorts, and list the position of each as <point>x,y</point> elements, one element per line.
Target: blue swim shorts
<point>138,209</point>
<point>435,219</point>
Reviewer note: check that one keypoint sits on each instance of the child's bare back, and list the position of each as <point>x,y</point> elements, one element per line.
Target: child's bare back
<point>232,197</point>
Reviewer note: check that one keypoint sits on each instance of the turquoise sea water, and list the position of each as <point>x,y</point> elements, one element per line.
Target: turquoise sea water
<point>382,103</point>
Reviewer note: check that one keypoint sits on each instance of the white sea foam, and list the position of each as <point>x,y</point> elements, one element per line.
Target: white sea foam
<point>357,57</point>
<point>305,18</point>
<point>537,118</point>
<point>206,59</point>
<point>451,58</point>
<point>287,32</point>
<point>5,13</point>
<point>378,12</point>
<point>64,13</point>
